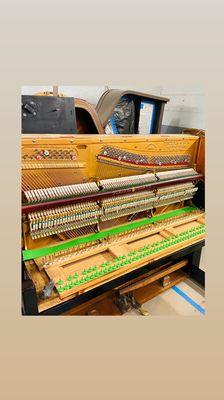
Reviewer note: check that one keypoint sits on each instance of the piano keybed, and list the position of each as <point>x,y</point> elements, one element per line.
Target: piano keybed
<point>104,265</point>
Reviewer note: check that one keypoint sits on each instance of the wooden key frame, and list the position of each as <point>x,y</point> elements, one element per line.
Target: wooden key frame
<point>63,272</point>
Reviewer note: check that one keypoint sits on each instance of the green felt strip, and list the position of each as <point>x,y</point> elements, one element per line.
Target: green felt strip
<point>45,251</point>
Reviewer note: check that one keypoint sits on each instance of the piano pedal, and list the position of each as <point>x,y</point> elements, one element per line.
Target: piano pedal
<point>128,302</point>
<point>137,306</point>
<point>123,304</point>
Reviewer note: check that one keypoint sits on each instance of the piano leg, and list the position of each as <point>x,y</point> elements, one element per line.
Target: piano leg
<point>194,270</point>
<point>29,295</point>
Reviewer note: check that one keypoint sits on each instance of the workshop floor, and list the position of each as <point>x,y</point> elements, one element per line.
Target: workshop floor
<point>185,299</point>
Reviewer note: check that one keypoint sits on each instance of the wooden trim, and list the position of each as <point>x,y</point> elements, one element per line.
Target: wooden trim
<point>153,278</point>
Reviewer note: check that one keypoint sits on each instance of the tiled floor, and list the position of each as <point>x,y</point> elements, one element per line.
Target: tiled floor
<point>172,303</point>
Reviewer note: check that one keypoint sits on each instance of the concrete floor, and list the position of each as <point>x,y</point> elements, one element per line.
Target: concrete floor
<point>172,303</point>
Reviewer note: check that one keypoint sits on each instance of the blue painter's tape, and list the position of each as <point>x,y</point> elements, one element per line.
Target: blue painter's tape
<point>189,300</point>
<point>113,125</point>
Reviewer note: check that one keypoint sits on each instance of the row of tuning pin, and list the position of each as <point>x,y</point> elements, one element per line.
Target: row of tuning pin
<point>117,154</point>
<point>169,160</point>
<point>123,155</point>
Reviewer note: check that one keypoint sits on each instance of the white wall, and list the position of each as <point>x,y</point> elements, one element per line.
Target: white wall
<point>89,93</point>
<point>185,108</point>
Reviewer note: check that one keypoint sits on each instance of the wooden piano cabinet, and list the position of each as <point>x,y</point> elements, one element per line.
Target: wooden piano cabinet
<point>100,211</point>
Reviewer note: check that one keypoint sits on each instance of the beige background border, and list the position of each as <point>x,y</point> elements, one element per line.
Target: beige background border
<point>119,42</point>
